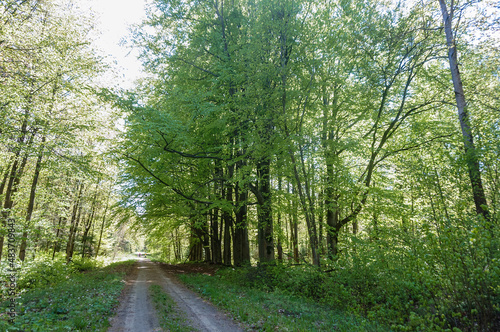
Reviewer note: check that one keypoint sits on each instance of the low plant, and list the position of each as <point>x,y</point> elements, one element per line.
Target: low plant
<point>39,273</point>
<point>79,302</point>
<point>266,310</point>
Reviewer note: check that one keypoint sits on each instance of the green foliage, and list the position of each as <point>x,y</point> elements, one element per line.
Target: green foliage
<point>40,273</point>
<point>448,278</point>
<point>359,126</point>
<point>77,302</point>
<point>166,309</point>
<point>266,310</point>
<point>84,264</point>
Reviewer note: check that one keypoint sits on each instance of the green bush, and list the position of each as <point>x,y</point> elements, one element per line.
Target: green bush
<point>77,302</point>
<point>40,273</point>
<point>442,276</point>
<point>85,264</point>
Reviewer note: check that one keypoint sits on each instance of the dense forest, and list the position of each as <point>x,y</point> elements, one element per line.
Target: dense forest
<point>356,139</point>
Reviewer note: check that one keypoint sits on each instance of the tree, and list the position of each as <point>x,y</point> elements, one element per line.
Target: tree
<point>51,110</point>
<point>463,113</point>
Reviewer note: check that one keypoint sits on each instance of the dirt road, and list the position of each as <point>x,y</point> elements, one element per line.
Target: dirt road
<point>136,312</point>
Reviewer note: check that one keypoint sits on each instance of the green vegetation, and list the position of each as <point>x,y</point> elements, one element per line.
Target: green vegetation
<point>316,139</point>
<point>360,294</point>
<point>277,309</point>
<point>424,289</point>
<point>326,133</point>
<point>57,297</point>
<point>171,319</point>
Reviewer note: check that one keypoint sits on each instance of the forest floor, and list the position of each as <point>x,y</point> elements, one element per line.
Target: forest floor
<point>136,311</point>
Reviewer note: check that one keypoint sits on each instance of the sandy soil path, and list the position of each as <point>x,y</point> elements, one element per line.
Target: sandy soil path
<point>136,312</point>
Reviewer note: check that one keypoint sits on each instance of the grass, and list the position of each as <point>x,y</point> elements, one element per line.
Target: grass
<point>170,318</point>
<point>274,310</point>
<point>80,302</point>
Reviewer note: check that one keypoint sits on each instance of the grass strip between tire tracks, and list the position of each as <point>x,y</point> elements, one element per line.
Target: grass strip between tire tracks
<point>170,318</point>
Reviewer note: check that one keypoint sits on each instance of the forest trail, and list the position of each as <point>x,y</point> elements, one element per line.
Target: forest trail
<point>136,312</point>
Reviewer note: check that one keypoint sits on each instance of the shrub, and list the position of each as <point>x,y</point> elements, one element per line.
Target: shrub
<point>40,273</point>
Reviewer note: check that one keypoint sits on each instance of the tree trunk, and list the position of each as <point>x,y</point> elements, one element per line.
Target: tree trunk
<point>331,216</point>
<point>264,212</point>
<point>241,248</point>
<point>228,217</point>
<point>279,246</point>
<point>215,239</point>
<point>206,239</point>
<point>75,219</point>
<point>16,174</point>
<point>102,225</point>
<point>31,203</point>
<point>56,242</point>
<point>6,176</point>
<point>307,207</point>
<point>89,223</point>
<point>463,116</point>
<point>293,218</point>
<point>195,244</point>
<point>227,231</point>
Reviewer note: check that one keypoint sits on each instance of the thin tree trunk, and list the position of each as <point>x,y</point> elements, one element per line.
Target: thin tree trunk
<point>6,176</point>
<point>214,218</point>
<point>89,223</point>
<point>56,242</point>
<point>72,238</point>
<point>279,246</point>
<point>14,180</point>
<point>463,115</point>
<point>228,216</point>
<point>206,239</point>
<point>75,219</point>
<point>102,225</point>
<point>293,218</point>
<point>215,239</point>
<point>264,212</point>
<point>227,229</point>
<point>241,248</point>
<point>31,204</point>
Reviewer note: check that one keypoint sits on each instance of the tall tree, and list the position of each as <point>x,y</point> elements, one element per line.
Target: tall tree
<point>471,154</point>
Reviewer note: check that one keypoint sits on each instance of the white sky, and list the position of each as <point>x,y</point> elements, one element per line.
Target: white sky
<point>113,19</point>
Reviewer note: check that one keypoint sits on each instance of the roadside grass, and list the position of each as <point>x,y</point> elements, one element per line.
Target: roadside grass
<point>274,310</point>
<point>170,318</point>
<point>81,301</point>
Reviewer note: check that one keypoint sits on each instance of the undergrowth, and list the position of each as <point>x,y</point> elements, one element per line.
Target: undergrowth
<point>443,277</point>
<point>60,297</point>
<point>270,308</point>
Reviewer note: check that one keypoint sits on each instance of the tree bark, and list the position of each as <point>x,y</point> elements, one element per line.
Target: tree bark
<point>240,244</point>
<point>293,218</point>
<point>56,242</point>
<point>463,115</point>
<point>75,219</point>
<point>227,218</point>
<point>206,239</point>
<point>89,223</point>
<point>31,203</point>
<point>264,212</point>
<point>15,176</point>
<point>278,221</point>
<point>102,225</point>
<point>214,238</point>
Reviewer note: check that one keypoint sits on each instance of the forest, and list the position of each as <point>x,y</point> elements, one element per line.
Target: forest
<point>344,150</point>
